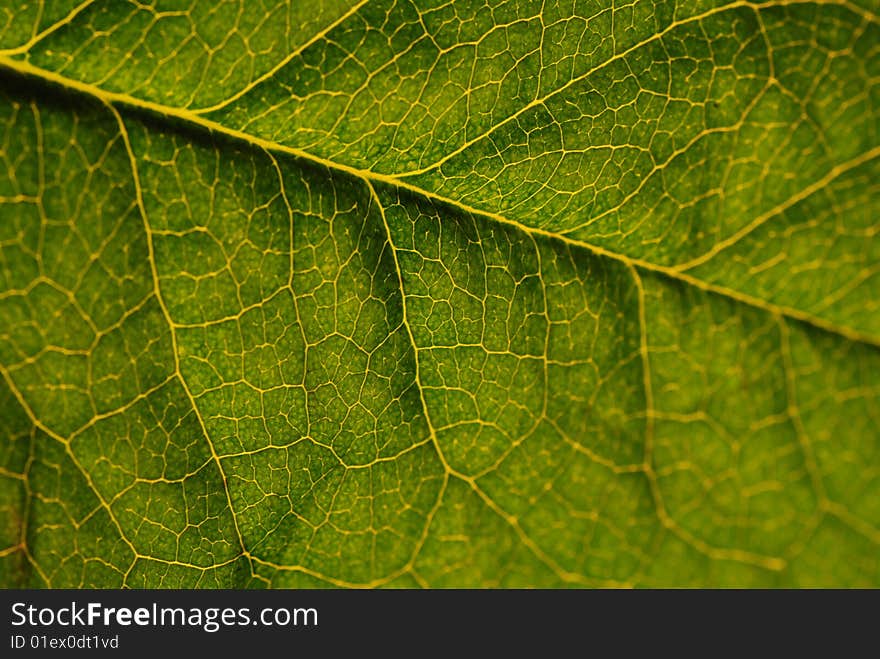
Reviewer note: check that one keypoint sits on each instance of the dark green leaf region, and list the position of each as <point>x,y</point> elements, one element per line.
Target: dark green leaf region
<point>447,293</point>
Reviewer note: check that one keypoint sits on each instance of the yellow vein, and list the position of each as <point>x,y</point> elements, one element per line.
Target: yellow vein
<point>405,321</point>
<point>32,417</point>
<point>37,37</point>
<point>739,4</point>
<point>449,469</point>
<point>835,172</point>
<point>151,257</point>
<point>284,62</point>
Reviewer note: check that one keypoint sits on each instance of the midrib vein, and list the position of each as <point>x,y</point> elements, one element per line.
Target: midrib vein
<point>188,117</point>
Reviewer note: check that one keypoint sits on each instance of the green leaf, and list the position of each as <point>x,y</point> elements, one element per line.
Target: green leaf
<point>440,294</point>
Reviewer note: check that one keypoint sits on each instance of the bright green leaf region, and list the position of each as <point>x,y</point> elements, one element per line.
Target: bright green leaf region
<point>443,293</point>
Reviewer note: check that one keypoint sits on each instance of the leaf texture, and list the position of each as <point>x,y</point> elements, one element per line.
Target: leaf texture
<point>440,294</point>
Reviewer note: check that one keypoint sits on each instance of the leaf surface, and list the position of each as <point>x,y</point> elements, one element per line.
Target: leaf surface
<point>440,294</point>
